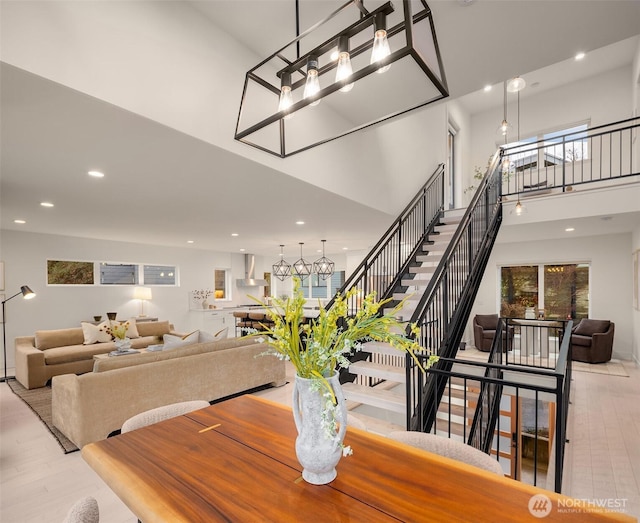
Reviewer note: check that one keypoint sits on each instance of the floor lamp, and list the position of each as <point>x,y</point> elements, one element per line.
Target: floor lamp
<point>27,293</point>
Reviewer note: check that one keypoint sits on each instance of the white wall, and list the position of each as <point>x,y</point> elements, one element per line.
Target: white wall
<point>610,278</point>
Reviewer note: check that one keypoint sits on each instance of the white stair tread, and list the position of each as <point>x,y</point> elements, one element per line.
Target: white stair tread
<point>383,399</point>
<point>379,370</point>
<point>379,347</point>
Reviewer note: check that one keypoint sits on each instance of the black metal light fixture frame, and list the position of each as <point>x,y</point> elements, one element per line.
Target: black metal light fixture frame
<point>323,266</point>
<point>282,268</point>
<point>264,81</point>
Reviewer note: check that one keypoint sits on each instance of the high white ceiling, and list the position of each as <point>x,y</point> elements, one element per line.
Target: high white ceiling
<point>171,187</point>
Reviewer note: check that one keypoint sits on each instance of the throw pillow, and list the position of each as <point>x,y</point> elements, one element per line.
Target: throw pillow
<point>132,329</point>
<point>172,342</point>
<point>220,335</point>
<point>95,333</point>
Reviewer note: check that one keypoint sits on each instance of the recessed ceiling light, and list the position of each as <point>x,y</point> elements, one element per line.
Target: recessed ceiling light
<point>189,241</point>
<point>96,174</point>
<point>19,221</point>
<point>570,229</point>
<point>579,56</point>
<point>299,222</point>
<point>487,88</point>
<point>234,234</point>
<point>345,248</point>
<point>242,250</point>
<point>46,204</point>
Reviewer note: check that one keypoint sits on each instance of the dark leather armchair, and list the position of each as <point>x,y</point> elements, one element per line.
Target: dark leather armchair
<point>484,330</point>
<point>592,341</point>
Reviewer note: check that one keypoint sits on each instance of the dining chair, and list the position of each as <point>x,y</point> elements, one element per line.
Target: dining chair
<point>84,510</point>
<point>149,417</point>
<point>449,448</point>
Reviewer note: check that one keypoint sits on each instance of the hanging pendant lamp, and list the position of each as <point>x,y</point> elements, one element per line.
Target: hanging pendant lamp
<point>324,267</point>
<point>282,269</point>
<point>302,267</point>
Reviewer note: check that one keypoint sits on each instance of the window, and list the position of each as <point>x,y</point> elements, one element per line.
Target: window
<point>221,284</point>
<point>159,275</point>
<point>70,272</point>
<point>60,272</point>
<point>118,274</point>
<point>560,290</point>
<point>526,154</point>
<point>315,287</point>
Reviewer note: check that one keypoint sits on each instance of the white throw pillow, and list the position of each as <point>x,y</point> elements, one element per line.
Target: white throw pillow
<point>220,335</point>
<point>132,329</point>
<point>95,333</point>
<point>172,341</point>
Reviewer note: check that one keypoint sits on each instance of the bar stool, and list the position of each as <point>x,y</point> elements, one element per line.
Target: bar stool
<point>242,321</point>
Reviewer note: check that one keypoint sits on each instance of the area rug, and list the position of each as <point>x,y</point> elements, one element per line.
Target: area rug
<point>39,401</point>
<point>612,368</point>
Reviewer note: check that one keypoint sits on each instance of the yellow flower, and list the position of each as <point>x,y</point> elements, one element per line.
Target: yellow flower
<point>318,347</point>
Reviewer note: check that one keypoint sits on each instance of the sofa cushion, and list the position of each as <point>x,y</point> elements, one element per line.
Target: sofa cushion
<point>589,327</point>
<point>70,353</point>
<point>171,341</point>
<point>153,328</point>
<point>48,339</point>
<point>95,333</point>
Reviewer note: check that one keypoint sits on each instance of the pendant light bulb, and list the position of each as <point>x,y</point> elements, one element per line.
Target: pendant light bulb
<point>312,84</point>
<point>344,69</point>
<point>286,98</point>
<point>381,47</point>
<point>518,208</point>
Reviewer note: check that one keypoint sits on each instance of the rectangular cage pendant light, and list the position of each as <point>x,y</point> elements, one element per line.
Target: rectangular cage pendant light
<point>349,71</point>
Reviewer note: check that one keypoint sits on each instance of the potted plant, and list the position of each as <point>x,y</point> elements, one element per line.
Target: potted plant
<point>317,347</point>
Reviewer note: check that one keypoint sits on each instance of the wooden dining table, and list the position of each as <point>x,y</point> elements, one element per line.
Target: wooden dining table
<point>235,461</point>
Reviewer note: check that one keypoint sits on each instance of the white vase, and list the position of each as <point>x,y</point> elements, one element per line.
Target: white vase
<point>319,444</point>
<point>122,344</point>
<point>205,304</point>
<point>529,313</point>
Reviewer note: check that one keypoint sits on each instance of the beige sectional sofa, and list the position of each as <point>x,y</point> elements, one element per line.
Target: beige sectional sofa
<point>53,352</point>
<point>91,406</point>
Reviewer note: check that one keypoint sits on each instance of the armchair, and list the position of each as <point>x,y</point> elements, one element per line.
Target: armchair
<point>592,341</point>
<point>484,330</point>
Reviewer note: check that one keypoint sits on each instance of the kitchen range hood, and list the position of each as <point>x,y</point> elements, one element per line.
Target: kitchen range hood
<point>249,279</point>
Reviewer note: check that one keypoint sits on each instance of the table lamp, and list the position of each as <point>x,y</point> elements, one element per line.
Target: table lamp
<point>142,294</point>
<point>27,294</point>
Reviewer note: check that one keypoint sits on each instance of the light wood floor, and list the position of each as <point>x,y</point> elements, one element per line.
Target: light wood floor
<point>38,483</point>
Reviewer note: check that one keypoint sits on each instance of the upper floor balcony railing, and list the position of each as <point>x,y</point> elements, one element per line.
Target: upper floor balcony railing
<point>600,155</point>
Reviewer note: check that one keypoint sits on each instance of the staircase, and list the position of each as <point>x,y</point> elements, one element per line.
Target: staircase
<point>381,378</point>
<point>438,263</point>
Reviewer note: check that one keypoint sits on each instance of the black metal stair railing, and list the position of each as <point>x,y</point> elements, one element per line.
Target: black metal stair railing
<point>444,308</point>
<point>384,265</point>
